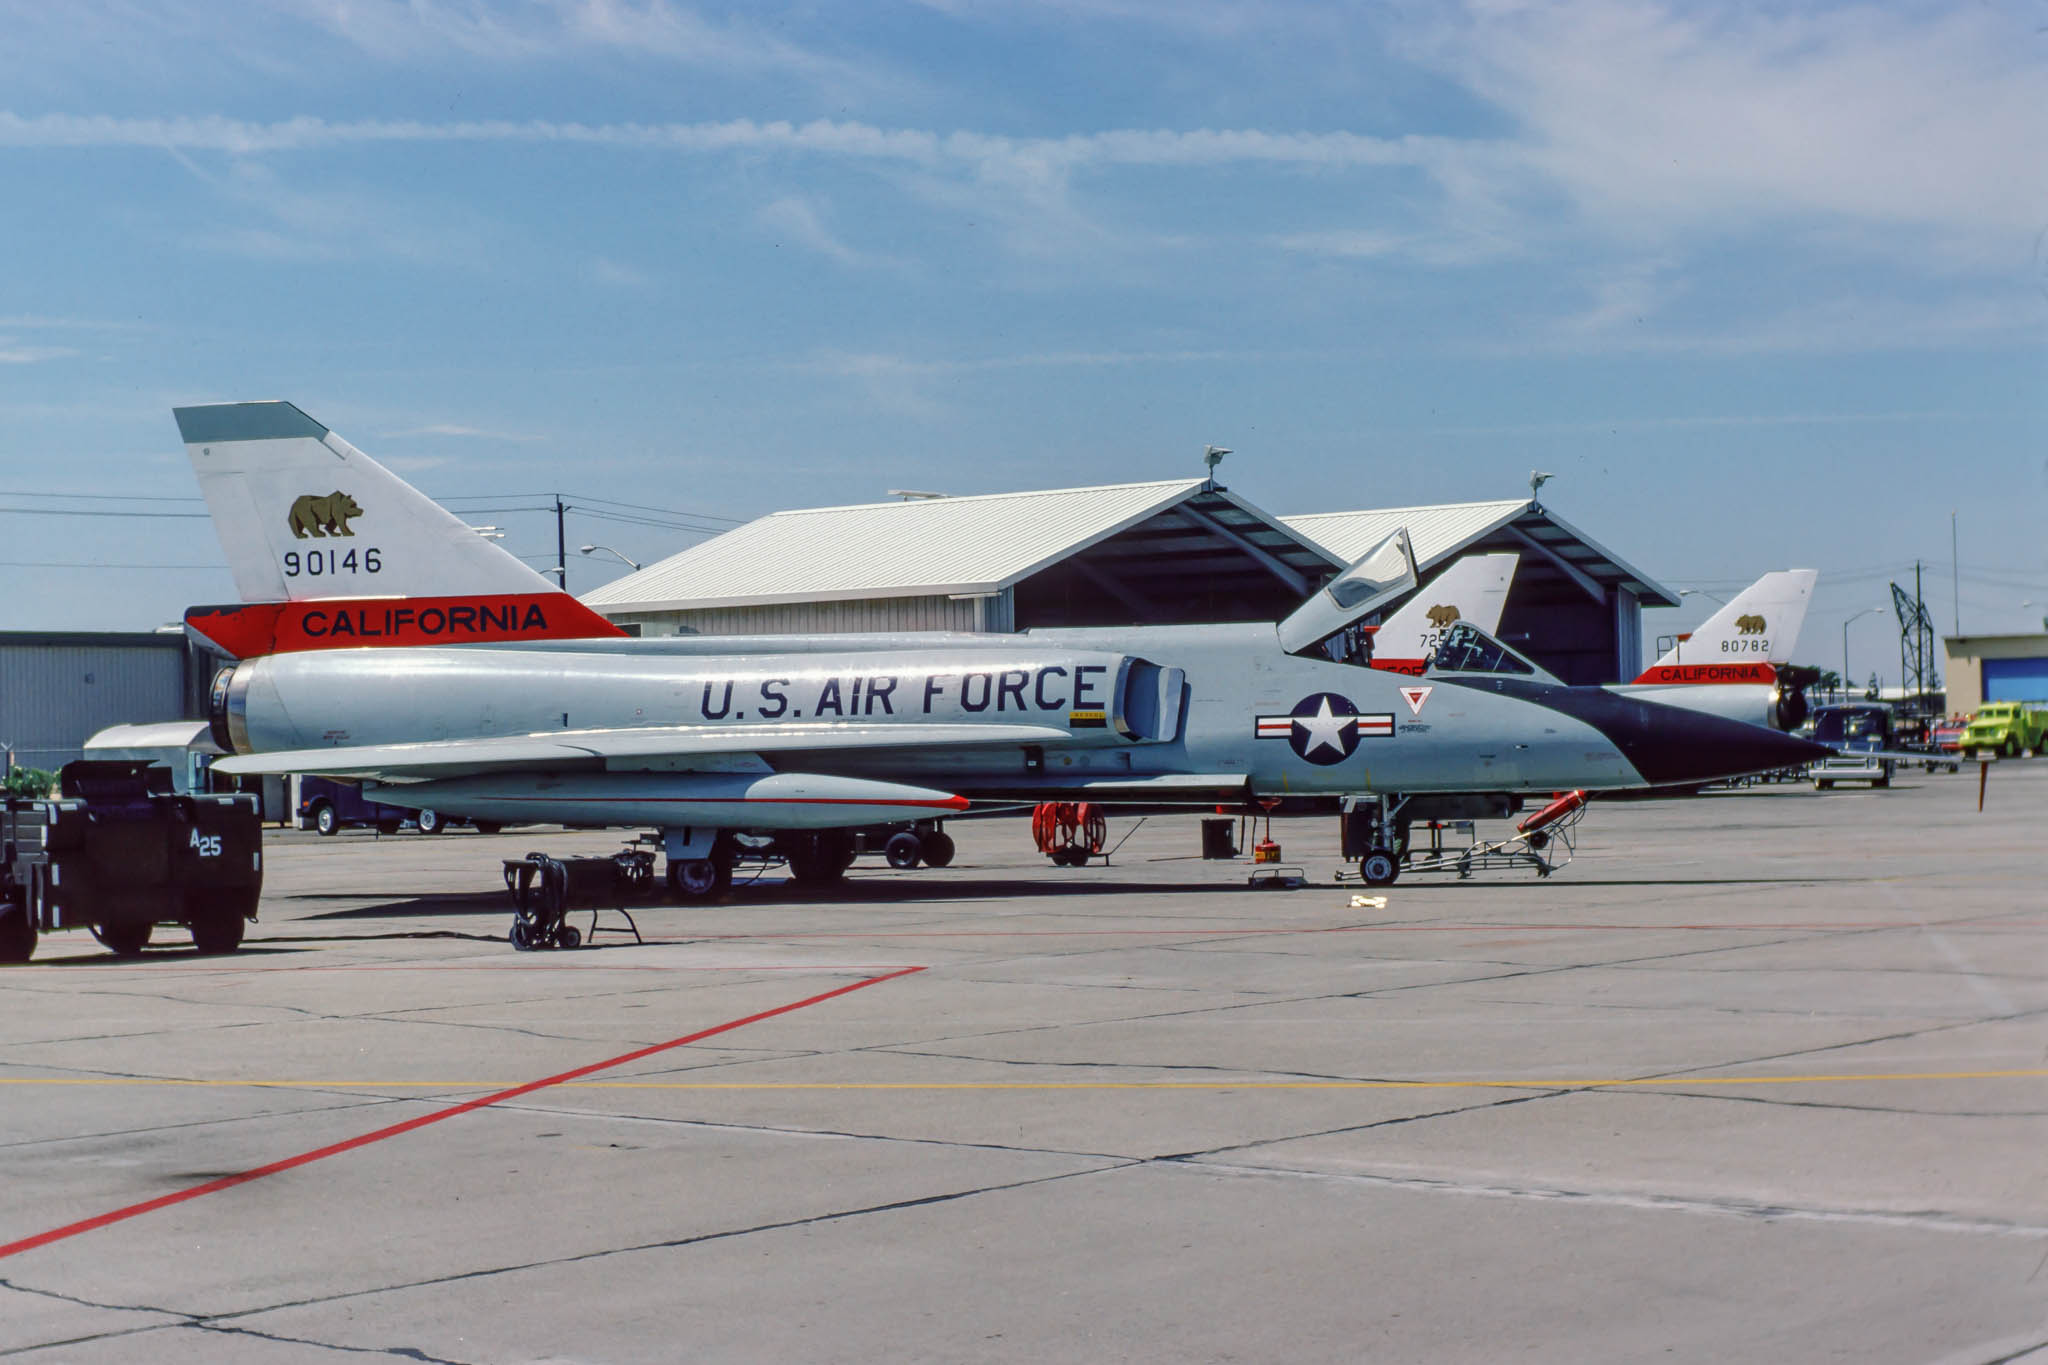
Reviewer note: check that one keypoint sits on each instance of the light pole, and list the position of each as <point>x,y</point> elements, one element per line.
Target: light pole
<point>1845,645</point>
<point>590,549</point>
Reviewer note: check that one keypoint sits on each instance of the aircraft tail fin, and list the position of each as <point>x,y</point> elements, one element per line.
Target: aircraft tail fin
<point>1473,589</point>
<point>1746,639</point>
<point>330,549</point>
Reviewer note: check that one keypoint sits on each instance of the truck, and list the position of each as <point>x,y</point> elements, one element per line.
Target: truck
<point>118,852</point>
<point>330,807</point>
<point>2005,728</point>
<point>1858,732</point>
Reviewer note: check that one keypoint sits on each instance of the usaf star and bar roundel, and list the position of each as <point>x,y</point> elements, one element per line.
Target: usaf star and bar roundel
<point>1325,728</point>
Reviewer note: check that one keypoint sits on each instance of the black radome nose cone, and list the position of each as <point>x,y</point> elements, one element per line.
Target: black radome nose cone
<point>1671,746</point>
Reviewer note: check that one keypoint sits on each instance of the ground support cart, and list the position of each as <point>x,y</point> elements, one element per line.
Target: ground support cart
<point>1380,834</point>
<point>545,890</point>
<point>119,854</point>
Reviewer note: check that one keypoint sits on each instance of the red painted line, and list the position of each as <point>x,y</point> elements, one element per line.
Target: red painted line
<point>350,1144</point>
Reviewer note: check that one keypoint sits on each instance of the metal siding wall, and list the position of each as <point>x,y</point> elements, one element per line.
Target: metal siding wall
<point>1628,635</point>
<point>829,618</point>
<point>48,708</point>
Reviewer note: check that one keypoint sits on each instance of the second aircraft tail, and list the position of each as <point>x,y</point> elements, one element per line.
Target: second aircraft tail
<point>1745,640</point>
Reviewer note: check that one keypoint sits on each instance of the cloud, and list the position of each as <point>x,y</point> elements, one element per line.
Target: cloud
<point>1655,119</point>
<point>13,353</point>
<point>331,222</point>
<point>794,218</point>
<point>468,433</point>
<point>415,31</point>
<point>617,274</point>
<point>1020,158</point>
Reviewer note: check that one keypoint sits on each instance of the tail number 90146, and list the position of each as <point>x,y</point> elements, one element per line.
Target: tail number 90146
<point>319,563</point>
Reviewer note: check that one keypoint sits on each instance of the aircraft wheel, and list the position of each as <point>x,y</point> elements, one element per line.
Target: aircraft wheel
<point>697,879</point>
<point>326,820</point>
<point>123,940</point>
<point>518,937</point>
<point>903,850</point>
<point>1379,867</point>
<point>570,937</point>
<point>938,850</point>
<point>489,826</point>
<point>216,928</point>
<point>430,822</point>
<point>17,936</point>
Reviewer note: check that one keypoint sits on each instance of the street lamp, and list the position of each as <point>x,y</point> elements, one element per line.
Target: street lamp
<point>1845,645</point>
<point>589,549</point>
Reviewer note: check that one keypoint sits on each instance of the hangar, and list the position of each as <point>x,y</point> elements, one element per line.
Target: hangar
<point>1985,668</point>
<point>1179,551</point>
<point>59,687</point>
<point>1185,550</point>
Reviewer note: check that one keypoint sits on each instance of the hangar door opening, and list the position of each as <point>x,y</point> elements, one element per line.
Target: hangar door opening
<point>2016,680</point>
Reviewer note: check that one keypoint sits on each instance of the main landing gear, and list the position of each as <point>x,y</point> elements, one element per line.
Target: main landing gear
<point>706,877</point>
<point>700,867</point>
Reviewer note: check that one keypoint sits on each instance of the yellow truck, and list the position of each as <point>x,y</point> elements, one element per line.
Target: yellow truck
<point>2005,728</point>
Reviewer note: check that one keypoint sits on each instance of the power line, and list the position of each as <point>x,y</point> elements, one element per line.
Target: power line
<point>70,564</point>
<point>96,512</point>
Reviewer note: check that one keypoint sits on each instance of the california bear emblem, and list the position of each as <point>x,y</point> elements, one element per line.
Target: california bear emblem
<point>1749,625</point>
<point>314,515</point>
<point>1442,616</point>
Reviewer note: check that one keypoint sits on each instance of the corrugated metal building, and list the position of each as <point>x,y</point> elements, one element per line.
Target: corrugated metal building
<point>1575,607</point>
<point>1179,551</point>
<point>1146,553</point>
<point>57,688</point>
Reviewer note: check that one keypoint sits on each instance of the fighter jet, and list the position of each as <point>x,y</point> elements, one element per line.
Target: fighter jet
<point>381,640</point>
<point>1738,663</point>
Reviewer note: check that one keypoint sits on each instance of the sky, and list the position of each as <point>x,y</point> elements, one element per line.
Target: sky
<point>1762,285</point>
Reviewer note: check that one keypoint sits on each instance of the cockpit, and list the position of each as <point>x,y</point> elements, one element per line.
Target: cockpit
<point>1467,649</point>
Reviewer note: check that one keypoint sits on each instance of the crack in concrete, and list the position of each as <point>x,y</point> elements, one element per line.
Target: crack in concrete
<point>1930,1220</point>
<point>399,1352</point>
<point>216,1321</point>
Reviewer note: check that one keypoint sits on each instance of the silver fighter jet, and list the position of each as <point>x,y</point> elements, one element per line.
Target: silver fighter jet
<point>381,640</point>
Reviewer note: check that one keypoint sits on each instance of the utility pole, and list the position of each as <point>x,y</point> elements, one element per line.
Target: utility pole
<point>561,547</point>
<point>1955,573</point>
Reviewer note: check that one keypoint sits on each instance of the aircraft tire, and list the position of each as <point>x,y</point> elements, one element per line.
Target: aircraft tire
<point>17,935</point>
<point>1379,867</point>
<point>903,850</point>
<point>216,928</point>
<point>124,939</point>
<point>938,849</point>
<point>698,879</point>
<point>489,826</point>
<point>430,822</point>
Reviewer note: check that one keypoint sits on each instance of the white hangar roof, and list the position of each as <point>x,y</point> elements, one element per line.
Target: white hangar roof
<point>1449,529</point>
<point>962,546</point>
